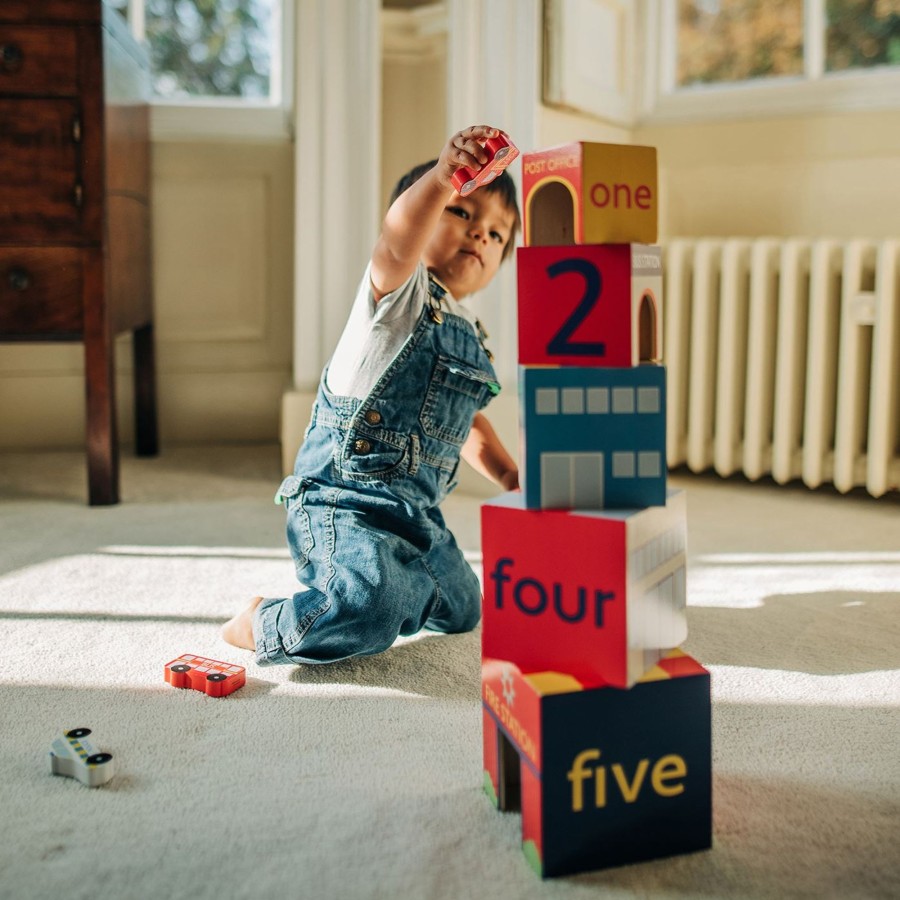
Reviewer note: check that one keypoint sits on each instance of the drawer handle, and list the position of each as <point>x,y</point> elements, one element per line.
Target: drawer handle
<point>19,279</point>
<point>11,57</point>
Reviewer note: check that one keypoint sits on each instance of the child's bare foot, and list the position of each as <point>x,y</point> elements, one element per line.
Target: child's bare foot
<point>239,630</point>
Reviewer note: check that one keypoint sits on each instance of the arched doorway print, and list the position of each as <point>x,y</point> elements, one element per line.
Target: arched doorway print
<point>648,329</point>
<point>551,215</point>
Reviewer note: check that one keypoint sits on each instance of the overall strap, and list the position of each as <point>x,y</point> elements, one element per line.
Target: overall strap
<point>437,291</point>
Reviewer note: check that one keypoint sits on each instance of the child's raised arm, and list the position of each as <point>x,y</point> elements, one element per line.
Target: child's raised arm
<point>414,215</point>
<point>485,453</point>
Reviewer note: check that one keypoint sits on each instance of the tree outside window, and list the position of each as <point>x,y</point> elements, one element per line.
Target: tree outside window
<point>723,41</point>
<point>862,33</point>
<point>207,48</point>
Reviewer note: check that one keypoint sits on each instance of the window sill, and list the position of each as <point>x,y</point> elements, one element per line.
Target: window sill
<point>219,120</point>
<point>835,93</point>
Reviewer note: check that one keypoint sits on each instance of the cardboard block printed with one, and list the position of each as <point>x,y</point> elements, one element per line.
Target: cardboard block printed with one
<point>598,595</point>
<point>209,676</point>
<point>593,305</point>
<point>587,193</point>
<point>602,776</point>
<point>593,438</point>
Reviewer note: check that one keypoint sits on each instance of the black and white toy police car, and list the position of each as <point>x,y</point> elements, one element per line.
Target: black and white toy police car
<point>74,755</point>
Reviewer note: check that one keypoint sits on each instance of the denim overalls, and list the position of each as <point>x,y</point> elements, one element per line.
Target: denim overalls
<point>363,522</point>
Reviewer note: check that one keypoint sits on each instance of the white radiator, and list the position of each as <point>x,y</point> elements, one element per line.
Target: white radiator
<point>783,358</point>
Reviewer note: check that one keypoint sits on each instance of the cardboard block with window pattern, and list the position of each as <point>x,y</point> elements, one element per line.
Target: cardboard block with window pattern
<point>592,438</point>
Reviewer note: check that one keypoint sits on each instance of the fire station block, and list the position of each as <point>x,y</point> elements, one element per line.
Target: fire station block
<point>597,595</point>
<point>602,776</point>
<point>593,438</point>
<point>587,193</point>
<point>593,305</point>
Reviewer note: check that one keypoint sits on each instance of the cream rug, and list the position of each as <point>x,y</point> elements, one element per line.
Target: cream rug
<point>363,779</point>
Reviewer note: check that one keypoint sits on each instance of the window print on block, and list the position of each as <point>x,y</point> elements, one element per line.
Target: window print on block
<point>593,438</point>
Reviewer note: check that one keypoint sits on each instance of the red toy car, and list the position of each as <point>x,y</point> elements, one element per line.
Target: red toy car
<point>502,150</point>
<point>218,679</point>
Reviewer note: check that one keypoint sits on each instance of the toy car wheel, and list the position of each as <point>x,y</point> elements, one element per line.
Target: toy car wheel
<point>181,667</point>
<point>78,733</point>
<point>501,153</point>
<point>216,676</point>
<point>468,187</point>
<point>97,759</point>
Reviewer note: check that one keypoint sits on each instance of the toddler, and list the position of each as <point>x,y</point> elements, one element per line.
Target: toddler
<point>397,405</point>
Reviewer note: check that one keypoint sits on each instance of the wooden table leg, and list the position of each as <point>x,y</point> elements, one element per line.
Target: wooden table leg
<point>146,437</point>
<point>99,371</point>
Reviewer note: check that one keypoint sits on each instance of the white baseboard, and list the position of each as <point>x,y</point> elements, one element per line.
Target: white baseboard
<point>47,411</point>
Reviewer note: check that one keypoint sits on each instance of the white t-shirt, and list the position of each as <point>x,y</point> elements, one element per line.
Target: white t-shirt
<point>374,334</point>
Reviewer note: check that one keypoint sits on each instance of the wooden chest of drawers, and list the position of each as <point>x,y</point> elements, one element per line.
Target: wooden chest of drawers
<point>75,261</point>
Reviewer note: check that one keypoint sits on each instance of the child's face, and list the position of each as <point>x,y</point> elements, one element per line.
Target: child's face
<point>466,248</point>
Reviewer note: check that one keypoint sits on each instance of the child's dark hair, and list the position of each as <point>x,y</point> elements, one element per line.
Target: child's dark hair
<point>502,185</point>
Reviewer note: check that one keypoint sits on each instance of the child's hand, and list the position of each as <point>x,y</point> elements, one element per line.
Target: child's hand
<point>464,149</point>
<point>509,480</point>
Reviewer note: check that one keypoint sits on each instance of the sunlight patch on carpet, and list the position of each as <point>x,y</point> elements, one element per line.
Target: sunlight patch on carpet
<point>754,686</point>
<point>228,552</point>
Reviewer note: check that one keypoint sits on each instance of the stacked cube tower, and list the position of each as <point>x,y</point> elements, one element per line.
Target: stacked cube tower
<point>596,726</point>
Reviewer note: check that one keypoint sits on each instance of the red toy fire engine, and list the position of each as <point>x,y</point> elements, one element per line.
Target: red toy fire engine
<point>218,679</point>
<point>502,150</point>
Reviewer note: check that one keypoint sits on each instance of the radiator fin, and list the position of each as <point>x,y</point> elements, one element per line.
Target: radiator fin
<point>783,359</point>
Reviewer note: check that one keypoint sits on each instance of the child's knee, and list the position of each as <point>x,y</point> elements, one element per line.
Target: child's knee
<point>360,633</point>
<point>461,615</point>
<point>471,617</point>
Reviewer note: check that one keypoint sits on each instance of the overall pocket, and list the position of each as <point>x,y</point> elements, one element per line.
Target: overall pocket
<point>368,456</point>
<point>456,392</point>
<point>298,527</point>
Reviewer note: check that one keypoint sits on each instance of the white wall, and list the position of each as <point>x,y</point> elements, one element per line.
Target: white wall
<point>414,92</point>
<point>830,175</point>
<point>223,284</point>
<point>223,273</point>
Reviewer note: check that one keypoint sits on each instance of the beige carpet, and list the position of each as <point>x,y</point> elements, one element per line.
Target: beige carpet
<point>363,780</point>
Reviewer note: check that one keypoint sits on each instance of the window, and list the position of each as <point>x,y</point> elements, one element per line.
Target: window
<point>736,40</point>
<point>219,56</point>
<point>733,57</point>
<point>739,40</point>
<point>861,34</point>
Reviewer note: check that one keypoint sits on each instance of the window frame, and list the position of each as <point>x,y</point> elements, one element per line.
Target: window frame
<point>662,101</point>
<point>229,118</point>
